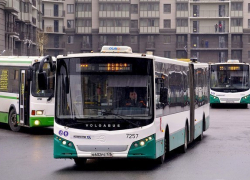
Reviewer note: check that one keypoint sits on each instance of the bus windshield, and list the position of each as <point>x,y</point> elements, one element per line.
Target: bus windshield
<point>36,92</point>
<point>229,77</point>
<point>104,88</point>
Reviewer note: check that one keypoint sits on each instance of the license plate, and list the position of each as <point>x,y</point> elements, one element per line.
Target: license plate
<point>101,154</point>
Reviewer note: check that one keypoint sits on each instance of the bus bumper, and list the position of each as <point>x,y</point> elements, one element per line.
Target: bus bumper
<point>41,121</point>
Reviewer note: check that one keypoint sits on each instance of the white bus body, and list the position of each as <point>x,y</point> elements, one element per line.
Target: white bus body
<point>229,83</point>
<point>22,103</point>
<point>97,125</point>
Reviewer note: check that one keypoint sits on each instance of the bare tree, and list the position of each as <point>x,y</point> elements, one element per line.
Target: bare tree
<point>42,41</point>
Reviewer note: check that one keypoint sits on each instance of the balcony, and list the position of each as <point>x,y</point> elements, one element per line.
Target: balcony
<point>50,13</point>
<point>209,1</point>
<point>114,14</point>
<point>149,30</point>
<point>150,45</point>
<point>12,6</point>
<point>209,45</point>
<point>149,0</point>
<point>26,17</point>
<point>237,29</point>
<point>114,30</point>
<point>236,13</point>
<point>83,1</point>
<point>149,14</point>
<point>55,45</point>
<point>83,30</point>
<point>84,14</point>
<point>237,45</point>
<point>209,14</point>
<point>114,0</point>
<point>53,29</point>
<point>181,13</point>
<point>11,28</point>
<point>86,46</point>
<point>208,30</point>
<point>182,29</point>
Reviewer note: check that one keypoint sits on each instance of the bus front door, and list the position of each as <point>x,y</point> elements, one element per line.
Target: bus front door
<point>24,100</point>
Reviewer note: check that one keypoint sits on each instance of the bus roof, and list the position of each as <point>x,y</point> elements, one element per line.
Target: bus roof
<point>20,60</point>
<point>132,55</point>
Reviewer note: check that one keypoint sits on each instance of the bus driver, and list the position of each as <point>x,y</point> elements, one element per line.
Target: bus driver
<point>133,101</point>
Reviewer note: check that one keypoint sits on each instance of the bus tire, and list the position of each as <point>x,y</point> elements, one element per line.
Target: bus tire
<point>183,148</point>
<point>161,159</point>
<point>13,121</point>
<point>200,137</point>
<point>80,161</point>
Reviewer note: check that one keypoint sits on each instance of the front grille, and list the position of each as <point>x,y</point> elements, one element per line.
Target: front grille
<point>229,99</point>
<point>102,148</point>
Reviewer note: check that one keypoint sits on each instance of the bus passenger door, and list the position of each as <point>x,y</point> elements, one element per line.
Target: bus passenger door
<point>23,100</point>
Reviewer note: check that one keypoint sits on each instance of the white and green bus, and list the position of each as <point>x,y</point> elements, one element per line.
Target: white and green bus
<point>94,120</point>
<point>229,83</point>
<point>22,103</point>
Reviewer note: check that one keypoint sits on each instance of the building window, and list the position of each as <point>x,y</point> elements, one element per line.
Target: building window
<point>134,39</point>
<point>134,8</point>
<point>119,39</point>
<point>248,54</point>
<point>70,23</point>
<point>83,8</point>
<point>236,55</point>
<point>181,54</point>
<point>167,54</point>
<point>84,23</point>
<point>167,23</point>
<point>182,23</point>
<point>236,22</point>
<point>70,8</point>
<point>248,39</point>
<point>134,23</point>
<point>182,7</point>
<point>237,6</point>
<point>167,8</point>
<point>167,39</point>
<point>149,7</point>
<point>248,23</point>
<point>70,39</point>
<point>249,7</point>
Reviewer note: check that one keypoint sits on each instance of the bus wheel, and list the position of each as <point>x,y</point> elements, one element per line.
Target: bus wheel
<point>200,137</point>
<point>183,148</point>
<point>161,159</point>
<point>80,161</point>
<point>13,121</point>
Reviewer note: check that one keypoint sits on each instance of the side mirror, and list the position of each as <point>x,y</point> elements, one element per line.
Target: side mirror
<point>29,74</point>
<point>42,81</point>
<point>164,95</point>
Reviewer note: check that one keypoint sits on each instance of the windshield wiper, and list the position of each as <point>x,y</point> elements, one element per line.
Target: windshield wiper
<point>77,123</point>
<point>110,113</point>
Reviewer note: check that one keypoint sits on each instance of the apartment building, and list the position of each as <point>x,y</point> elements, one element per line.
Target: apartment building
<point>212,30</point>
<point>19,22</point>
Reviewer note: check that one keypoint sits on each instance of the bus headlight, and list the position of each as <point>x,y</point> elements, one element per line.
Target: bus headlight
<point>39,112</point>
<point>37,122</point>
<point>64,142</point>
<point>142,143</point>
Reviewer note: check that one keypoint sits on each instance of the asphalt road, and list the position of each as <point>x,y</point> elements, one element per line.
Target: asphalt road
<point>223,154</point>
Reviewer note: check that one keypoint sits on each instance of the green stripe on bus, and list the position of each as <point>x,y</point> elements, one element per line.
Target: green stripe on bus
<point>44,121</point>
<point>8,97</point>
<point>25,62</point>
<point>4,117</point>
